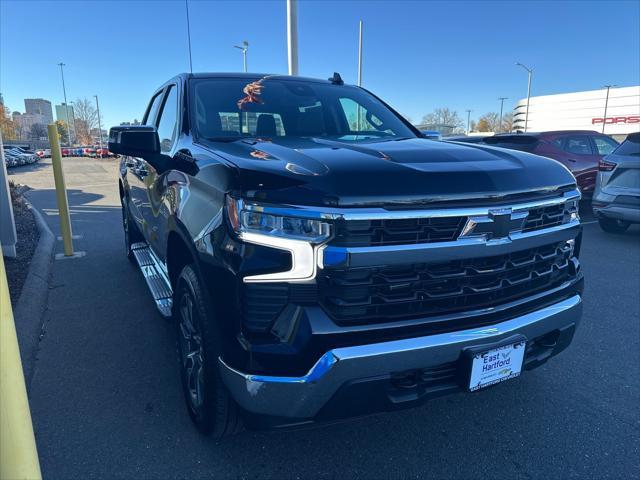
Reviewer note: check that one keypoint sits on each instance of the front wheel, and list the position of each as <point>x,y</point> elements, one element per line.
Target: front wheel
<point>209,403</point>
<point>612,225</point>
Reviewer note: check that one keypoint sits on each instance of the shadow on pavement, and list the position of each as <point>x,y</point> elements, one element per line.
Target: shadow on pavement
<point>106,397</point>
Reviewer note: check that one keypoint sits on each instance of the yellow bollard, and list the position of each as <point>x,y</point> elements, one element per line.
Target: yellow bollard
<point>61,190</point>
<point>18,452</point>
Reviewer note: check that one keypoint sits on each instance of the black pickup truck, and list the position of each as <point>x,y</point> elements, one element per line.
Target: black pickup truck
<point>321,259</point>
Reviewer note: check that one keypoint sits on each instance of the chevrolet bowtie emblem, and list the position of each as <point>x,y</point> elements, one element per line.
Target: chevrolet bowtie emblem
<point>497,225</point>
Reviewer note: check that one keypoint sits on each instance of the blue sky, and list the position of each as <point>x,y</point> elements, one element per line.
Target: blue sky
<point>418,55</point>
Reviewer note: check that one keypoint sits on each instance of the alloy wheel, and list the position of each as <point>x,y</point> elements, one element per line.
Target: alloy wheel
<point>191,351</point>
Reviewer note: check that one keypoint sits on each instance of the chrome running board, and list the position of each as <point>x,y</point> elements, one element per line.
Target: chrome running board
<point>156,277</point>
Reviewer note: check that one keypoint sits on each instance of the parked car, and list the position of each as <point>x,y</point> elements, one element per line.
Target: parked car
<point>11,160</point>
<point>314,271</point>
<point>24,158</point>
<point>103,152</point>
<point>431,134</point>
<point>88,151</point>
<point>616,201</point>
<point>578,150</point>
<point>466,138</point>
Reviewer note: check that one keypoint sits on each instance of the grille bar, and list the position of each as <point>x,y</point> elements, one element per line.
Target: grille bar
<point>377,294</point>
<point>443,226</point>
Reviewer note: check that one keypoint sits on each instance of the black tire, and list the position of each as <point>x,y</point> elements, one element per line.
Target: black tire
<point>208,401</point>
<point>612,225</point>
<point>131,233</point>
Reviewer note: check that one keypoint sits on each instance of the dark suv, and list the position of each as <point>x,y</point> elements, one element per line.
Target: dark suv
<point>321,259</point>
<point>578,150</point>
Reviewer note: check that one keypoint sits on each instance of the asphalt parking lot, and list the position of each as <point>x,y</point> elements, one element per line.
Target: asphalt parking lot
<point>106,400</point>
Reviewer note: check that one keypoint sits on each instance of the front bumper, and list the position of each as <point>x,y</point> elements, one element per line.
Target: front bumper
<point>307,397</point>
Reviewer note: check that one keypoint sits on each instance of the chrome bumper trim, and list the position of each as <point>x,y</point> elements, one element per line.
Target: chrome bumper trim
<point>304,396</point>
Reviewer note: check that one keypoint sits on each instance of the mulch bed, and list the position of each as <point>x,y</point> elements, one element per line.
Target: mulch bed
<point>17,268</point>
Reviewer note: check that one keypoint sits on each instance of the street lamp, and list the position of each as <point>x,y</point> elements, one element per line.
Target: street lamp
<point>526,117</point>
<point>468,121</point>
<point>244,48</point>
<point>99,124</point>
<point>66,106</point>
<point>292,36</point>
<point>502,99</point>
<point>606,103</point>
<point>360,56</point>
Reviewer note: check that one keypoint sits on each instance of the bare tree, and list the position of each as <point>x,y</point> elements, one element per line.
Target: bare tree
<point>38,130</point>
<point>489,122</point>
<point>443,117</point>
<point>85,120</point>
<point>507,122</point>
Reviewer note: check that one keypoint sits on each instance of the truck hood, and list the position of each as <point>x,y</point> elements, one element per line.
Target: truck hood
<point>314,171</point>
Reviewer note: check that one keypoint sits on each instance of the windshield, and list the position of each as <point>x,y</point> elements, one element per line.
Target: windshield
<point>230,108</point>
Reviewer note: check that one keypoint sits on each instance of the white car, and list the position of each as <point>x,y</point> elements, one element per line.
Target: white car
<point>616,199</point>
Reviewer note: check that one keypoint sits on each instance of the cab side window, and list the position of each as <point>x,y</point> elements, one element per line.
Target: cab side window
<point>168,124</point>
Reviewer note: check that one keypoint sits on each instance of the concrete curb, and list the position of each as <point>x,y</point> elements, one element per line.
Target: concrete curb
<point>32,303</point>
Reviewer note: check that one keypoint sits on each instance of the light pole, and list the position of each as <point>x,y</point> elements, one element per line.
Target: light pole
<point>526,117</point>
<point>66,106</point>
<point>502,99</point>
<point>99,124</point>
<point>244,48</point>
<point>468,121</point>
<point>360,56</point>
<point>606,104</point>
<point>292,36</point>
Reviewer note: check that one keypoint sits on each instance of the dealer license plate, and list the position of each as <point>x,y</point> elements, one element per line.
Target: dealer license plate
<point>496,365</point>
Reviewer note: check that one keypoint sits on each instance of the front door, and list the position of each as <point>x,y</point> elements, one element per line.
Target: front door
<point>138,171</point>
<point>155,211</point>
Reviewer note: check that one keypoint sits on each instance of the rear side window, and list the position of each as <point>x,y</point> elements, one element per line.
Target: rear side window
<point>604,145</point>
<point>578,145</point>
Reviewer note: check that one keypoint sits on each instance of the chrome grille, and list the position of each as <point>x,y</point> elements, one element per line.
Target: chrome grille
<point>378,294</point>
<point>431,226</point>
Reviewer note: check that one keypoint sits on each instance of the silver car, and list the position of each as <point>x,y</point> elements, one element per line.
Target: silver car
<point>616,199</point>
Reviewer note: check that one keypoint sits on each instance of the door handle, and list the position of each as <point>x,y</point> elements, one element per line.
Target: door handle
<point>130,163</point>
<point>572,160</point>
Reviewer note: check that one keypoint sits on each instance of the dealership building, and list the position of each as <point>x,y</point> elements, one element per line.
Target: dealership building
<point>582,111</point>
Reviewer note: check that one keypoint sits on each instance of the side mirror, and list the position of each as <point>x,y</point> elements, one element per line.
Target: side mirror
<point>134,140</point>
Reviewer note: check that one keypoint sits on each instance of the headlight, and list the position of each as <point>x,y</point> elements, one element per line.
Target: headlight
<point>253,219</point>
<point>571,211</point>
<point>303,238</point>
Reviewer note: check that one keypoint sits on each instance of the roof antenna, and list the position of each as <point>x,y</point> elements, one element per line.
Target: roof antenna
<point>336,79</point>
<point>186,6</point>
